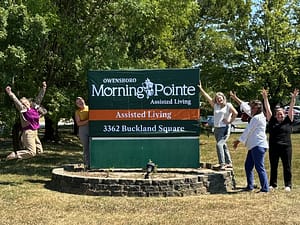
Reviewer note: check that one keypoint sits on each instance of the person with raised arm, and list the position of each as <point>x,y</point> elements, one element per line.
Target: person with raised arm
<point>255,139</point>
<point>280,129</point>
<point>224,115</point>
<point>30,116</point>
<point>244,107</point>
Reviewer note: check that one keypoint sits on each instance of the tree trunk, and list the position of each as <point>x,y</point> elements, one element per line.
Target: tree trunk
<point>51,130</point>
<point>75,127</point>
<point>16,135</point>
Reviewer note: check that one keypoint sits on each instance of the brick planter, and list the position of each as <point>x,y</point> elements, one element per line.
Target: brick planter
<point>131,182</point>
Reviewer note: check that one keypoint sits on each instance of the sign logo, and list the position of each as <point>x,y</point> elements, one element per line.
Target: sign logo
<point>147,88</point>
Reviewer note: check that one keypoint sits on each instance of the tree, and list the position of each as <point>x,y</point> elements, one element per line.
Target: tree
<point>273,49</point>
<point>250,45</point>
<point>16,24</point>
<point>59,41</point>
<point>214,48</point>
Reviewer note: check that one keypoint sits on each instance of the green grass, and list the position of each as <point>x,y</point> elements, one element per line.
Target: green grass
<point>25,198</point>
<point>209,154</point>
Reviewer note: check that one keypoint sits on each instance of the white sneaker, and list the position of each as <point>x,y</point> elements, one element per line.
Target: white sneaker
<point>287,189</point>
<point>271,188</point>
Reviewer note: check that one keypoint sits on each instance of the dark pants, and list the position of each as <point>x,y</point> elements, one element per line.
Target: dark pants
<point>285,154</point>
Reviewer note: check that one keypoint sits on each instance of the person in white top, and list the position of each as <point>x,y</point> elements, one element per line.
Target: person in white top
<point>224,115</point>
<point>255,139</point>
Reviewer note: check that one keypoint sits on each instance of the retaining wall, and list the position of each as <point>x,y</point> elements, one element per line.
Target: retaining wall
<point>189,182</point>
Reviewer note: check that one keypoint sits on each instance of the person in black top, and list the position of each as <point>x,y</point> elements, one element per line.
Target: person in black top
<point>280,144</point>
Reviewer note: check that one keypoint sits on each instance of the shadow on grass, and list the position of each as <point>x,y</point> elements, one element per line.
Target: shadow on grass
<point>239,189</point>
<point>66,151</point>
<point>37,181</point>
<point>10,183</point>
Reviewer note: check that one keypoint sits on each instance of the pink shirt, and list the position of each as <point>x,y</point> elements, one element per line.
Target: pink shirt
<point>32,116</point>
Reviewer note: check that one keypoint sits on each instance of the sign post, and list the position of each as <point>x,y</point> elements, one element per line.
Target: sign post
<point>141,115</point>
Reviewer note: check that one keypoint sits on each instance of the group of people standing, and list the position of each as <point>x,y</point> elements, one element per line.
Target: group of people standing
<point>254,137</point>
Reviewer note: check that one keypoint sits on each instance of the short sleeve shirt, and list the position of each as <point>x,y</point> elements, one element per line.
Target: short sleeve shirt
<point>221,113</point>
<point>83,113</point>
<point>32,116</point>
<point>280,133</point>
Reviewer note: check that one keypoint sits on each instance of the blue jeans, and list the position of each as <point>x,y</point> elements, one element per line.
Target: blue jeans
<point>255,157</point>
<point>222,135</point>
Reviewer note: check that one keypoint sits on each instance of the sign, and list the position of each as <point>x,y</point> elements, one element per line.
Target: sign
<point>144,103</point>
<point>137,115</point>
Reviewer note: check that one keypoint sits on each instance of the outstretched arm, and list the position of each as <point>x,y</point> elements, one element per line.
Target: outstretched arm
<point>266,104</point>
<point>17,102</point>
<point>235,97</point>
<point>244,107</point>
<point>292,104</point>
<point>208,98</point>
<point>41,94</point>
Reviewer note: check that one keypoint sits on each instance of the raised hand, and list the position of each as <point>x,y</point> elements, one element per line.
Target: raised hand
<point>264,93</point>
<point>8,90</point>
<point>295,93</point>
<point>200,85</point>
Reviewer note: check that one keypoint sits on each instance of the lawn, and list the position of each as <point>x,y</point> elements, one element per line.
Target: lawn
<point>26,199</point>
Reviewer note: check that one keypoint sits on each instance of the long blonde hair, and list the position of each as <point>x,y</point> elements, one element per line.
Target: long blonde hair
<point>82,100</point>
<point>220,94</point>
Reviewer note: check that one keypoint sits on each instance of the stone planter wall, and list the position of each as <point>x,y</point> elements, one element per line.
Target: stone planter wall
<point>191,182</point>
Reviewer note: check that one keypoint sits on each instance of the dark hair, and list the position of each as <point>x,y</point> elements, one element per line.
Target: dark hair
<point>257,104</point>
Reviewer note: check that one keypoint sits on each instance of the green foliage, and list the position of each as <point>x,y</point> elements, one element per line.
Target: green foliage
<point>273,50</point>
<point>3,23</point>
<point>236,48</point>
<point>139,34</point>
<point>56,102</point>
<point>248,46</point>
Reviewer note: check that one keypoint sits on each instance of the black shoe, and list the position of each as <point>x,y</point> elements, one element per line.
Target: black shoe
<point>246,189</point>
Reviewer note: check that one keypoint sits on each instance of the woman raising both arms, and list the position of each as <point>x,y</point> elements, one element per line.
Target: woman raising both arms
<point>280,144</point>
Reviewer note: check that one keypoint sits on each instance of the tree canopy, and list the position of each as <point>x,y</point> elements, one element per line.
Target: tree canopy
<point>238,45</point>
